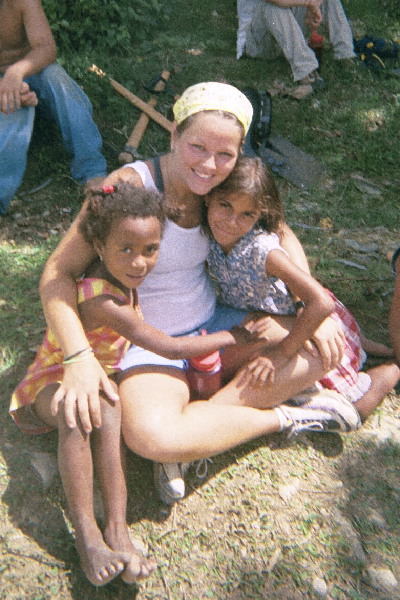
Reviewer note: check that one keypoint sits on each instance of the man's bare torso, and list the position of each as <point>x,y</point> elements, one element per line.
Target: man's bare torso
<point>13,40</point>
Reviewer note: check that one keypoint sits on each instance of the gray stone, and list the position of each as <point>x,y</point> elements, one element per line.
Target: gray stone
<point>381,579</point>
<point>320,587</point>
<point>46,467</point>
<point>350,534</point>
<point>364,248</point>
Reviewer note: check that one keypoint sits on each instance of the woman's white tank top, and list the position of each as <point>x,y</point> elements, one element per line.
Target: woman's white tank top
<point>178,295</point>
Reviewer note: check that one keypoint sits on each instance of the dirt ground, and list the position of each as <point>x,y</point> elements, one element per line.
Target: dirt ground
<point>277,519</point>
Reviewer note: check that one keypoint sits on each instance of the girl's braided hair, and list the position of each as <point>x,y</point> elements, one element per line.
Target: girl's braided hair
<point>111,203</point>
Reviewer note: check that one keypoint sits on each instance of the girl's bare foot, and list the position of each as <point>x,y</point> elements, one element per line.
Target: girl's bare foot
<point>138,566</point>
<point>376,348</point>
<point>100,563</point>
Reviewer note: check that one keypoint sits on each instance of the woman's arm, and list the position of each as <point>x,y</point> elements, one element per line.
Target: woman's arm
<point>82,381</point>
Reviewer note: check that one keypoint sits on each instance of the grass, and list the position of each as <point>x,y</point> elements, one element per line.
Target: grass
<point>236,536</point>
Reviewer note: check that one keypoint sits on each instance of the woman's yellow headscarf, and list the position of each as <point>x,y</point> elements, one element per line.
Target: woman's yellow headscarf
<point>212,95</point>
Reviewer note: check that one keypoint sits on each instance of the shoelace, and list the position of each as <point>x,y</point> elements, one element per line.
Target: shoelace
<point>310,426</point>
<point>201,467</point>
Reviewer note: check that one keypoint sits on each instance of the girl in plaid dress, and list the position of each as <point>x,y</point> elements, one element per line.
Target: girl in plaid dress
<point>125,227</point>
<point>253,272</point>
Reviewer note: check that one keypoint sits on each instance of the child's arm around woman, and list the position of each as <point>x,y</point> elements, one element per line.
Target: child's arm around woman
<point>317,306</point>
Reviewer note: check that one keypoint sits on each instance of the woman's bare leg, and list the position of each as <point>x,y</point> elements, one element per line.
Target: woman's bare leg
<point>384,378</point>
<point>159,423</point>
<point>100,563</point>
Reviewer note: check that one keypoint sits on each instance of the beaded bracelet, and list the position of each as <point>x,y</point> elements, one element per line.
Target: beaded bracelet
<point>78,356</point>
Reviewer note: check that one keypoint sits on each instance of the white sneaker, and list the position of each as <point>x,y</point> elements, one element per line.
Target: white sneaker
<point>323,413</point>
<point>169,478</point>
<point>169,482</point>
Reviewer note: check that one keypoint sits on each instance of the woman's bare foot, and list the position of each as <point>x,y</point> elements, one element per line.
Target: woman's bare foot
<point>99,562</point>
<point>138,566</point>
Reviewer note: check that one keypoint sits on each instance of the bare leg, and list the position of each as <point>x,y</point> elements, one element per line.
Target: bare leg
<point>100,563</point>
<point>375,348</point>
<point>109,460</point>
<point>384,378</point>
<point>159,422</point>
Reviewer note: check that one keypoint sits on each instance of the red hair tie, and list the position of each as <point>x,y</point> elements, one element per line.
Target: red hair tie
<point>109,189</point>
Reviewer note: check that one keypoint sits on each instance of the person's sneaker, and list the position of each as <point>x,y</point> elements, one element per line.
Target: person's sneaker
<point>169,482</point>
<point>320,413</point>
<point>169,478</point>
<point>307,86</point>
<point>314,79</point>
<point>332,402</point>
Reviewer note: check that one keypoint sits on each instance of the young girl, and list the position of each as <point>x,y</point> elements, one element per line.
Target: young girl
<point>124,226</point>
<point>253,272</point>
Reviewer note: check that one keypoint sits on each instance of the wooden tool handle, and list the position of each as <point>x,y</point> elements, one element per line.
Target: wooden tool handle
<point>140,127</point>
<point>144,107</point>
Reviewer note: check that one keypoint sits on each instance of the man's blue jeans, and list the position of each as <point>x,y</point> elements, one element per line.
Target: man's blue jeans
<point>61,99</point>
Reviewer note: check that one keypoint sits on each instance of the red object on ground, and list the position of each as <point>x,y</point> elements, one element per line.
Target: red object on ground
<point>316,42</point>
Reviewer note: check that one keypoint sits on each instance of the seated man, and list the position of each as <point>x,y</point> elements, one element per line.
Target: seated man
<point>29,75</point>
<point>268,28</point>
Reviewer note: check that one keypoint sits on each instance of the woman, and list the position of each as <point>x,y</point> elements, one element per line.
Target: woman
<point>159,423</point>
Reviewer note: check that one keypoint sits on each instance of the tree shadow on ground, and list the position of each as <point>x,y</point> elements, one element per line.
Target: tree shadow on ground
<point>372,476</point>
<point>40,513</point>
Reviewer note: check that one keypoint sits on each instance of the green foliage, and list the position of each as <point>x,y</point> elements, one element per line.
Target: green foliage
<point>80,25</point>
<point>392,9</point>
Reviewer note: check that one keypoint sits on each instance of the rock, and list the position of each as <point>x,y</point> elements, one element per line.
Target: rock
<point>46,466</point>
<point>349,263</point>
<point>376,519</point>
<point>381,579</point>
<point>320,587</point>
<point>365,248</point>
<point>350,534</point>
<point>388,429</point>
<point>287,491</point>
<point>368,189</point>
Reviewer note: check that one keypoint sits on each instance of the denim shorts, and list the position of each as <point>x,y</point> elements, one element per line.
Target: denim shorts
<point>224,318</point>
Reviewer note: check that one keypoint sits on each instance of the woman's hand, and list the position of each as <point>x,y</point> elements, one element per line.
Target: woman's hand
<point>328,341</point>
<point>79,393</point>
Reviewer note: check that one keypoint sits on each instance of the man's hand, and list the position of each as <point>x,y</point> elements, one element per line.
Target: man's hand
<point>28,98</point>
<point>12,88</point>
<point>314,14</point>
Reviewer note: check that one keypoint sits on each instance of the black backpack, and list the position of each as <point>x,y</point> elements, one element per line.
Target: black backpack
<point>261,123</point>
<point>257,140</point>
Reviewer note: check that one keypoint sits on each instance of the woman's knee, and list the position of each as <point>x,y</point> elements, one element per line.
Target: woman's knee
<point>153,436</point>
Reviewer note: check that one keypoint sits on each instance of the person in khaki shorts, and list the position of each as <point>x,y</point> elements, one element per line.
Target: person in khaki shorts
<point>269,28</point>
